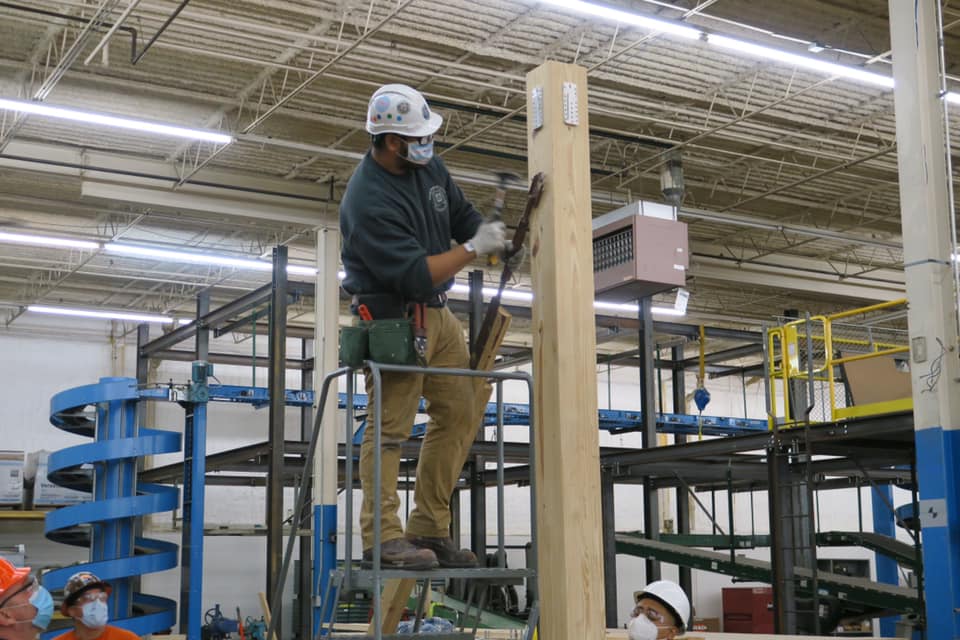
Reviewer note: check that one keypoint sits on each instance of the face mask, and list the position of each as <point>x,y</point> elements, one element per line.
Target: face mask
<point>419,154</point>
<point>43,601</point>
<point>642,628</point>
<point>95,614</point>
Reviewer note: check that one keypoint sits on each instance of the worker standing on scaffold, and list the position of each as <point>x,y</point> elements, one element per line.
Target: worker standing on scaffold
<point>400,211</point>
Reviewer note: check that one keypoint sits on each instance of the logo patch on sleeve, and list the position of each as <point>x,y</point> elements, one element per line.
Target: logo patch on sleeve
<point>438,198</point>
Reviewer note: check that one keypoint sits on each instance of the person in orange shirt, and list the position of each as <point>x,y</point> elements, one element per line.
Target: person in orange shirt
<point>85,602</point>
<point>25,606</point>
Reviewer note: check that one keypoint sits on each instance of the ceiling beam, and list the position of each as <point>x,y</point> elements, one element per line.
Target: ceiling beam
<point>792,279</point>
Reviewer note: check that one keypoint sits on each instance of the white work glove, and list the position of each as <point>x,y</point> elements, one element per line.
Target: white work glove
<point>491,237</point>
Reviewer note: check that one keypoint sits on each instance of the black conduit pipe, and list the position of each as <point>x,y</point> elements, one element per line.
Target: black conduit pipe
<point>135,56</point>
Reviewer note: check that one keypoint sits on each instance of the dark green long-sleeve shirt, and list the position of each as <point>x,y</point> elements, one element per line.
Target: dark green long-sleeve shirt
<point>391,223</point>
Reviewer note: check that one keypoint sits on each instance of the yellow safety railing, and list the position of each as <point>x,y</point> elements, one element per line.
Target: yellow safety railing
<point>816,348</point>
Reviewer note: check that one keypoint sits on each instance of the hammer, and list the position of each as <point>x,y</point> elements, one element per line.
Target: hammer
<point>504,178</point>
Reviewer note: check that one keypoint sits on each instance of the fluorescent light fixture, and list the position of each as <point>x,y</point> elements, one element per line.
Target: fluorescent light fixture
<point>618,307</point>
<point>668,311</point>
<point>733,44</point>
<point>626,17</point>
<point>527,296</point>
<point>510,294</point>
<point>37,108</point>
<point>103,315</point>
<point>202,258</point>
<point>953,98</point>
<point>47,241</point>
<point>804,62</point>
<point>300,270</point>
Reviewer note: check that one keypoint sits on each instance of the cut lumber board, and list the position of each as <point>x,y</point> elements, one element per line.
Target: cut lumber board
<point>265,606</point>
<point>570,550</point>
<point>396,593</point>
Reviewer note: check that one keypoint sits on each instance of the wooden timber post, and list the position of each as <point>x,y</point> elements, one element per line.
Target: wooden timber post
<point>570,559</point>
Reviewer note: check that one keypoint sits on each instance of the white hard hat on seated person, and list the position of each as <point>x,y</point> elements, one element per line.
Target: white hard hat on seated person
<point>399,109</point>
<point>672,597</point>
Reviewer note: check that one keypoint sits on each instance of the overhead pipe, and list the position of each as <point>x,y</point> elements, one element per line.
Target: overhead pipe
<point>60,69</point>
<point>173,16</point>
<point>113,29</point>
<point>65,16</point>
<point>135,56</point>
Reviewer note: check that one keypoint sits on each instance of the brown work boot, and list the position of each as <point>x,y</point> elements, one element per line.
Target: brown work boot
<point>400,554</point>
<point>447,553</point>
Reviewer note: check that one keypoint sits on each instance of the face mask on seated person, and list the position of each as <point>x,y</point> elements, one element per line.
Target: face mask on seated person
<point>95,614</point>
<point>642,628</point>
<point>43,601</point>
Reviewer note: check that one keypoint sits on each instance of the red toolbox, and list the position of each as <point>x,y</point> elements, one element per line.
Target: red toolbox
<point>748,610</point>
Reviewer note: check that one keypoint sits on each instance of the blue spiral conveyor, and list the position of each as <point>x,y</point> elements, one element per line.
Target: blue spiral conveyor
<point>107,412</point>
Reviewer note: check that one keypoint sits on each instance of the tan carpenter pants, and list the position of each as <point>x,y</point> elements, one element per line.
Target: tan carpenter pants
<point>450,431</point>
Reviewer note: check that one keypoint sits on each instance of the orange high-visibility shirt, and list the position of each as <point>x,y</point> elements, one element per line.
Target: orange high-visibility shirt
<point>109,633</point>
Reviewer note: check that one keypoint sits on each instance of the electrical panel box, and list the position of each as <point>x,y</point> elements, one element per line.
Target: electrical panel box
<point>639,250</point>
<point>747,609</point>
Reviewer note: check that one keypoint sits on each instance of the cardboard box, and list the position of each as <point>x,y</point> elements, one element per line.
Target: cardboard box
<point>11,478</point>
<point>705,624</point>
<point>48,494</point>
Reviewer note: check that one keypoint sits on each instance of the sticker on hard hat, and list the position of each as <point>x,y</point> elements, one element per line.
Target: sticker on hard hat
<point>403,108</point>
<point>382,103</point>
<point>426,112</point>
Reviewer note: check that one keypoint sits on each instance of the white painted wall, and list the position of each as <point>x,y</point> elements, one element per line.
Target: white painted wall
<point>41,359</point>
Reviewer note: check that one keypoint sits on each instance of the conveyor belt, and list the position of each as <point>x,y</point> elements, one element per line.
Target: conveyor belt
<point>514,413</point>
<point>857,591</point>
<point>902,552</point>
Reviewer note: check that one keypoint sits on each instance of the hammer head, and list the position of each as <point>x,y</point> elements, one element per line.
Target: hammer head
<point>536,190</point>
<point>506,177</point>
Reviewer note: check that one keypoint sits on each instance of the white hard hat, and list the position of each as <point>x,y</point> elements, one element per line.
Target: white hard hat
<point>397,108</point>
<point>670,595</point>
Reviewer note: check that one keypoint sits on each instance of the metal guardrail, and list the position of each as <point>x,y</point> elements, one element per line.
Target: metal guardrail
<point>806,357</point>
<point>348,576</point>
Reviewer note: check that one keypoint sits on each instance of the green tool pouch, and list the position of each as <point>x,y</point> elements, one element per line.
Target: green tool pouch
<point>385,341</point>
<point>354,345</point>
<point>391,341</point>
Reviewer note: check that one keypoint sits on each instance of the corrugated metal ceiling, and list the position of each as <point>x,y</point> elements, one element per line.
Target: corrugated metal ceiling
<point>760,141</point>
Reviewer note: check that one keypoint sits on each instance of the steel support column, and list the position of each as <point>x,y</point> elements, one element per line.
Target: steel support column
<point>651,503</point>
<point>143,362</point>
<point>929,238</point>
<point>683,496</point>
<point>304,628</point>
<point>887,573</point>
<point>608,514</point>
<point>478,495</point>
<point>194,484</point>
<point>277,387</point>
<point>143,374</point>
<point>781,541</point>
